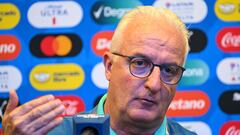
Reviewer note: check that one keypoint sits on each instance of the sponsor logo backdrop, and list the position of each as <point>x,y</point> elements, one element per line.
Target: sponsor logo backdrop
<point>56,47</point>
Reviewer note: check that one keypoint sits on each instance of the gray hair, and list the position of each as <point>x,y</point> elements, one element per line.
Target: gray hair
<point>149,13</point>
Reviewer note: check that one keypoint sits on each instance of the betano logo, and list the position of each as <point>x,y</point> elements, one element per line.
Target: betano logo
<point>228,39</point>
<point>55,14</point>
<point>46,77</point>
<point>73,105</point>
<point>228,71</point>
<point>9,47</point>
<point>10,78</point>
<point>230,128</point>
<point>55,45</point>
<point>199,127</point>
<point>228,10</point>
<point>106,12</point>
<point>196,73</point>
<point>9,16</point>
<point>189,11</point>
<point>189,104</point>
<point>101,42</point>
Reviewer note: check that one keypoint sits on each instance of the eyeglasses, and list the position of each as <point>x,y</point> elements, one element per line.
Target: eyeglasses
<point>142,67</point>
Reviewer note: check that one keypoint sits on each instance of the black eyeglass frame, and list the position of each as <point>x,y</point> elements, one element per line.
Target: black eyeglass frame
<point>160,67</point>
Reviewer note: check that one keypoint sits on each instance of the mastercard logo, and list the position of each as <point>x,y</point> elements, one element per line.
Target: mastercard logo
<point>55,45</point>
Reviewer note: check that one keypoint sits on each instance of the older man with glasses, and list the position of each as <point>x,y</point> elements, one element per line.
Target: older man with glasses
<point>143,66</point>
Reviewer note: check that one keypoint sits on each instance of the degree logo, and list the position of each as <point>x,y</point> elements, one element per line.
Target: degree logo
<point>55,45</point>
<point>57,77</point>
<point>189,104</point>
<point>227,10</point>
<point>9,47</point>
<point>106,12</point>
<point>73,104</point>
<point>228,39</point>
<point>9,16</point>
<point>101,42</point>
<point>55,14</point>
<point>230,128</point>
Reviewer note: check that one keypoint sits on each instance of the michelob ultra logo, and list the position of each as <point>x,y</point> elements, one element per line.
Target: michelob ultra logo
<point>10,78</point>
<point>196,73</point>
<point>107,12</point>
<point>9,47</point>
<point>228,39</point>
<point>55,45</point>
<point>189,11</point>
<point>9,16</point>
<point>56,77</point>
<point>73,104</point>
<point>228,71</point>
<point>228,10</point>
<point>189,104</point>
<point>55,14</point>
<point>230,128</point>
<point>101,42</point>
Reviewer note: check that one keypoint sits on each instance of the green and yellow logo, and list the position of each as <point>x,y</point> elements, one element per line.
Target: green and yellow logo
<point>57,77</point>
<point>9,16</point>
<point>228,10</point>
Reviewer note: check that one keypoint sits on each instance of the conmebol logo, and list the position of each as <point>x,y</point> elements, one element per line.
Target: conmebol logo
<point>9,47</point>
<point>230,128</point>
<point>55,14</point>
<point>189,104</point>
<point>101,42</point>
<point>105,12</point>
<point>187,10</point>
<point>228,71</point>
<point>73,104</point>
<point>228,39</point>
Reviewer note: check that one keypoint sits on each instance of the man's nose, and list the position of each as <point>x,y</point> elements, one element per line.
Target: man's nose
<point>153,82</point>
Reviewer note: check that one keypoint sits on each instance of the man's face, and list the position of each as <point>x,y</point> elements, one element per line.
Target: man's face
<point>143,99</point>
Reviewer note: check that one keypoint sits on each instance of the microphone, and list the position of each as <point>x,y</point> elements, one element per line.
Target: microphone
<point>91,124</point>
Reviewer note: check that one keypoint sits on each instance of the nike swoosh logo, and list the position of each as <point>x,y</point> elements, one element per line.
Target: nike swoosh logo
<point>98,12</point>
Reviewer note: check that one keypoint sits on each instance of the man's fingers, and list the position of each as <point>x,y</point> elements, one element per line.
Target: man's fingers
<point>46,119</point>
<point>12,102</point>
<point>27,107</point>
<point>49,126</point>
<point>43,110</point>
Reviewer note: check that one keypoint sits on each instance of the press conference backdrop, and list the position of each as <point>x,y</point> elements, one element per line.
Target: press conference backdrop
<point>56,47</point>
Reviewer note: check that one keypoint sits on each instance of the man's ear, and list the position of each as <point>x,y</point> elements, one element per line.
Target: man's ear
<point>107,61</point>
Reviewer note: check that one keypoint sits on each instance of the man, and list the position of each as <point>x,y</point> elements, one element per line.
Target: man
<point>143,66</point>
